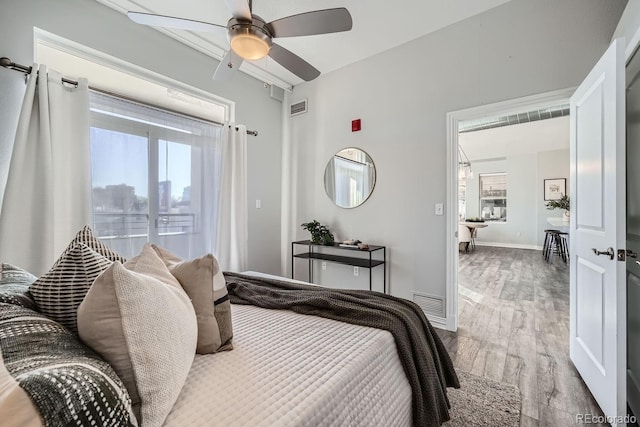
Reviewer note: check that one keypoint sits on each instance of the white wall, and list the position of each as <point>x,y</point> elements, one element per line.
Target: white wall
<point>402,95</point>
<point>103,29</point>
<point>519,230</point>
<point>551,164</point>
<point>526,211</point>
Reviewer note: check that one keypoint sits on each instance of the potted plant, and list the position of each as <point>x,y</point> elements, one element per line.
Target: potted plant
<point>562,203</point>
<point>320,234</point>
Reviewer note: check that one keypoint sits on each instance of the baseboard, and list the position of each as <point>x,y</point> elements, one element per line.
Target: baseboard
<point>509,245</point>
<point>437,321</point>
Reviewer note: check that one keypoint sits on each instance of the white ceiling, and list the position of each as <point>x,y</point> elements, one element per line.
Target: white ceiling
<point>532,137</point>
<point>378,25</point>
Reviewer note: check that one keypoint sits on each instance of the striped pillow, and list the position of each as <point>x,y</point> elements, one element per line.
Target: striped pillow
<point>59,292</point>
<point>86,236</point>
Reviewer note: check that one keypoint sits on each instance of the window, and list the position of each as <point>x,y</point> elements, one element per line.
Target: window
<point>352,179</point>
<point>153,177</point>
<point>493,197</point>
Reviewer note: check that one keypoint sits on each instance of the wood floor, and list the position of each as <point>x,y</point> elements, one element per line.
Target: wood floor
<point>514,328</point>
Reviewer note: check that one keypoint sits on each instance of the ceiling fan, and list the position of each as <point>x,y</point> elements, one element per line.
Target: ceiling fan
<point>251,38</point>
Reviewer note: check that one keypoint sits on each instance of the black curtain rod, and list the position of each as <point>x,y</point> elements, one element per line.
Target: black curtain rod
<point>249,132</point>
<point>7,63</point>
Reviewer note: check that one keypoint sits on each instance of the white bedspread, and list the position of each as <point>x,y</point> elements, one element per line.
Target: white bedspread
<point>289,369</point>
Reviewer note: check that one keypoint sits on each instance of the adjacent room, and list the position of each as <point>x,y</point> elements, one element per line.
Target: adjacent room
<point>259,213</point>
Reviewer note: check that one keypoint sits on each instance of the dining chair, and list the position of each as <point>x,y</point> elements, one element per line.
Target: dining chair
<point>464,237</point>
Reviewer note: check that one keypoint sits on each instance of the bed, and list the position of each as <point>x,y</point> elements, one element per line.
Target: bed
<point>347,374</point>
<point>285,369</point>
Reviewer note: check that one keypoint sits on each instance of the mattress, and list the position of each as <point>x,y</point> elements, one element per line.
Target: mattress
<point>289,369</point>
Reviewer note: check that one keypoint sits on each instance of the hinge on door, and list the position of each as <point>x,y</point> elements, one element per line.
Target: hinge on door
<point>624,253</point>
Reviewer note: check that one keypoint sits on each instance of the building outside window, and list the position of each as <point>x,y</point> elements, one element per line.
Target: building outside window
<point>493,197</point>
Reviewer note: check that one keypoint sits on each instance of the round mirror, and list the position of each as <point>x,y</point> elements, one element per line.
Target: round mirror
<point>349,177</point>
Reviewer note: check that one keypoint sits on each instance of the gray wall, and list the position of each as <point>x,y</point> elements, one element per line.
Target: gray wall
<point>629,23</point>
<point>103,29</point>
<point>521,48</point>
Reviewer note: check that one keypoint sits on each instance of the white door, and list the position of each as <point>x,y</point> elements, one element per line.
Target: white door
<point>598,284</point>
<point>633,233</point>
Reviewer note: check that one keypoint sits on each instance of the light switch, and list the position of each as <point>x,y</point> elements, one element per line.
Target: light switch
<point>439,209</point>
<point>258,204</point>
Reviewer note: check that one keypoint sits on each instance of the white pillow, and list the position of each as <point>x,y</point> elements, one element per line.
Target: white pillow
<point>138,318</point>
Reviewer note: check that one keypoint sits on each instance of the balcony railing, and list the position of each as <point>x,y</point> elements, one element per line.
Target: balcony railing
<point>122,225</point>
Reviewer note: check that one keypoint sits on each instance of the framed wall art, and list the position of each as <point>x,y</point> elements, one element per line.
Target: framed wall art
<point>555,188</point>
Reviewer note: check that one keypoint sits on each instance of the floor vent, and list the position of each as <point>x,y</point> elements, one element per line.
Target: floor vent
<point>430,304</point>
<point>299,107</point>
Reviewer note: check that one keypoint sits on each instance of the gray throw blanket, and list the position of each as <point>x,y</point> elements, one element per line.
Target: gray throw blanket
<point>425,360</point>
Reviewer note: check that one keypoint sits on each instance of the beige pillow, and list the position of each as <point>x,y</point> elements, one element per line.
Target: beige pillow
<point>138,318</point>
<point>204,282</point>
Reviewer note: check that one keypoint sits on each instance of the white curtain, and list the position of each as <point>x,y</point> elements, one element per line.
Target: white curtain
<point>232,229</point>
<point>47,198</point>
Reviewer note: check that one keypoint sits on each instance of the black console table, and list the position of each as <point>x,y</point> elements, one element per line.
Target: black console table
<point>345,257</point>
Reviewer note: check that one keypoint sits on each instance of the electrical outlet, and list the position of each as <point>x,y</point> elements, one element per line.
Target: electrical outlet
<point>356,271</point>
<point>324,265</point>
<point>258,204</point>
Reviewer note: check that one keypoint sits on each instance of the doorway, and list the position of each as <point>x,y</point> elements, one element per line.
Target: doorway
<point>513,314</point>
<point>500,215</point>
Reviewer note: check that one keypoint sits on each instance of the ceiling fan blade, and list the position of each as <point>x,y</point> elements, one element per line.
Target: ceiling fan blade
<point>228,66</point>
<point>293,63</point>
<point>310,23</point>
<point>239,9</point>
<point>173,22</point>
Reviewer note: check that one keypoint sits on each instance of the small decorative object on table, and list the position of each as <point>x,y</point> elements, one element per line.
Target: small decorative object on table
<point>320,234</point>
<point>352,243</point>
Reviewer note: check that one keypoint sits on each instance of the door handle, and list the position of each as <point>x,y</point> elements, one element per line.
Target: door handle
<point>609,252</point>
<point>623,254</point>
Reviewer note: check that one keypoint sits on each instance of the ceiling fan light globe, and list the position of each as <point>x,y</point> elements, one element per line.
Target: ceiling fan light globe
<point>249,46</point>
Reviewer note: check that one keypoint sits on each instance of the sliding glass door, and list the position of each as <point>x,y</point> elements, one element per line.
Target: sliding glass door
<point>153,178</point>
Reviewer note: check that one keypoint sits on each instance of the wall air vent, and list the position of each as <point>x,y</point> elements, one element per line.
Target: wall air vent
<point>299,107</point>
<point>430,304</point>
